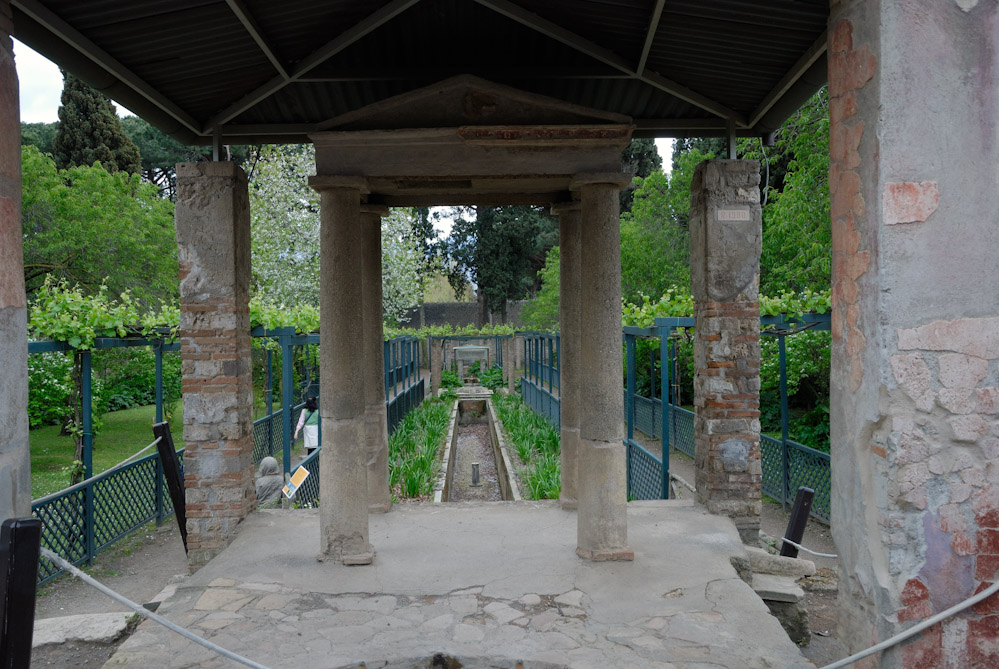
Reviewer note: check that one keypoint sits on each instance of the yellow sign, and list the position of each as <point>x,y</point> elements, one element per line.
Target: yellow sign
<point>297,479</point>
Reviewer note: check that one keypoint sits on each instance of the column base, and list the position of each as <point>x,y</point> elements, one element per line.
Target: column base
<point>615,555</point>
<point>380,508</point>
<point>349,560</point>
<point>568,503</point>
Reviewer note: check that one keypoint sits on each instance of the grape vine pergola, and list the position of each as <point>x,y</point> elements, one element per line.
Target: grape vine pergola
<point>521,101</point>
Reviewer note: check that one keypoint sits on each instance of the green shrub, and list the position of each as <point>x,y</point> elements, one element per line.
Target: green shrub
<point>50,387</point>
<point>492,378</point>
<point>537,443</point>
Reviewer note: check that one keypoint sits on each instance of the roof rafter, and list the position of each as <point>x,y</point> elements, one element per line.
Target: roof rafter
<point>46,18</point>
<point>807,59</point>
<point>657,13</point>
<point>245,17</point>
<point>604,55</point>
<point>317,57</point>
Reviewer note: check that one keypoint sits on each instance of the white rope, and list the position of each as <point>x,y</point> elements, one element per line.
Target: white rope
<point>133,456</point>
<point>810,552</point>
<point>145,613</point>
<point>682,482</point>
<point>929,622</point>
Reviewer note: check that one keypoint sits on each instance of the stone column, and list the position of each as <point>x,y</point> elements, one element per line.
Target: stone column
<point>212,216</point>
<point>601,485</point>
<point>914,187</point>
<point>15,466</point>
<point>569,377</point>
<point>376,438</point>
<point>343,466</point>
<point>725,241</point>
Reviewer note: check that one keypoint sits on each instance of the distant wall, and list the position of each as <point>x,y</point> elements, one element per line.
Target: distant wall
<point>460,314</point>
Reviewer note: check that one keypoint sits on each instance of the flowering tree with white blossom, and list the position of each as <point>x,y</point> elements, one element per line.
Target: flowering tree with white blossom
<point>284,223</point>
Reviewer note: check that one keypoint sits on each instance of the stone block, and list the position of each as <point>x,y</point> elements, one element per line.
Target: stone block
<point>771,587</point>
<point>763,562</point>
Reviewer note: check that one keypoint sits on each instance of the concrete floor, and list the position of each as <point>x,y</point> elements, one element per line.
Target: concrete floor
<point>491,584</point>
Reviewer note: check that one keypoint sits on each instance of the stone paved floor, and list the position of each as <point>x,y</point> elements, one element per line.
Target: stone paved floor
<point>490,584</point>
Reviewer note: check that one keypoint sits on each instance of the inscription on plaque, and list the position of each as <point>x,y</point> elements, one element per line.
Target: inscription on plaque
<point>741,214</point>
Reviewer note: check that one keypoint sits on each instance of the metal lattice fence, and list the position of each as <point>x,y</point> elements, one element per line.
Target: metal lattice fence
<point>645,472</point>
<point>84,520</point>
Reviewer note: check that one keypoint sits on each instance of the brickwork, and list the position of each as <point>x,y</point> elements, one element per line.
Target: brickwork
<point>726,237</point>
<point>212,218</point>
<point>15,469</point>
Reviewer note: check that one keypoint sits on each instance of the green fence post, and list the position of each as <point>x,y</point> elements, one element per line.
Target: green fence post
<point>665,405</point>
<point>88,451</point>
<point>158,354</point>
<point>287,401</point>
<point>785,489</point>
<point>269,395</point>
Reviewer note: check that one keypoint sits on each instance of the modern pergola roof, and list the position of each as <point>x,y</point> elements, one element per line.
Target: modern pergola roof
<point>270,71</point>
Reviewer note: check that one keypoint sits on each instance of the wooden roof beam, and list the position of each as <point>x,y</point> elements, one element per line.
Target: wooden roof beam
<point>47,19</point>
<point>349,36</point>
<point>245,17</point>
<point>604,55</point>
<point>650,36</point>
<point>807,59</point>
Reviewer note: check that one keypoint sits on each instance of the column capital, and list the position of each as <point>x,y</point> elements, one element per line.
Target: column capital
<point>565,208</point>
<point>378,209</point>
<point>618,179</point>
<point>323,182</point>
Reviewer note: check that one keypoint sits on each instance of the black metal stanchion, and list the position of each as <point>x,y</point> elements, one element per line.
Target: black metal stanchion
<point>796,523</point>
<point>20,540</point>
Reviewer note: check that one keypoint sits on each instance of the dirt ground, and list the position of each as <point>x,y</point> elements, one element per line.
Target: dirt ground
<point>139,568</point>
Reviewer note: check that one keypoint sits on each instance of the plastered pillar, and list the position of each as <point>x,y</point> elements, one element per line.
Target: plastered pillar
<point>212,216</point>
<point>569,328</point>
<point>15,465</point>
<point>601,486</point>
<point>914,190</point>
<point>376,437</point>
<point>725,242</point>
<point>343,466</point>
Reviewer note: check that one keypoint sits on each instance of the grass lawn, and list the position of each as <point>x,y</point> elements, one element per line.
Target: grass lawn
<point>122,434</point>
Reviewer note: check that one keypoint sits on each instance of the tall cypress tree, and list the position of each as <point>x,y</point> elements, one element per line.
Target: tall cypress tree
<point>89,131</point>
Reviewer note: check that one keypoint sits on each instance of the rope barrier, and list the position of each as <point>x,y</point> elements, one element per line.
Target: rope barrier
<point>912,631</point>
<point>145,613</point>
<point>133,456</point>
<point>811,552</point>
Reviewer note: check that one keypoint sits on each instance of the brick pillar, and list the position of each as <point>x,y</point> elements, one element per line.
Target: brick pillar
<point>343,466</point>
<point>601,486</point>
<point>376,437</point>
<point>725,241</point>
<point>212,216</point>
<point>15,466</point>
<point>915,324</point>
<point>569,377</point>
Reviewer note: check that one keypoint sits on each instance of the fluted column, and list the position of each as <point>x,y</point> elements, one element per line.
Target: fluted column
<point>602,522</point>
<point>569,328</point>
<point>376,415</point>
<point>343,492</point>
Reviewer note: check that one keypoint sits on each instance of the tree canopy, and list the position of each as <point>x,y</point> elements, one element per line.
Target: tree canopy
<point>89,131</point>
<point>85,225</point>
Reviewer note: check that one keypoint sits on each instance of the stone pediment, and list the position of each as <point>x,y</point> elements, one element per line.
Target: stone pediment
<point>466,100</point>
